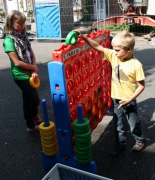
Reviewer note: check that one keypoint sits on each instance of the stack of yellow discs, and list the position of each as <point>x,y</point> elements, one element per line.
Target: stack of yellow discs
<point>48,139</point>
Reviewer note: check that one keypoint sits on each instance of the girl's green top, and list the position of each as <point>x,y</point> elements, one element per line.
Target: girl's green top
<point>17,73</point>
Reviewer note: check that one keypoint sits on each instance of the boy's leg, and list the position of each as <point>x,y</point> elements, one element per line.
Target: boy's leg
<point>135,125</point>
<point>119,129</point>
<point>118,124</point>
<point>30,102</point>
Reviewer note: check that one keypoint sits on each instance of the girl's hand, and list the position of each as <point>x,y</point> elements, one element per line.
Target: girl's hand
<point>34,75</point>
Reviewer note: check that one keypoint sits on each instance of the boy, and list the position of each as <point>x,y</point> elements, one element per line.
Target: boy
<point>127,73</point>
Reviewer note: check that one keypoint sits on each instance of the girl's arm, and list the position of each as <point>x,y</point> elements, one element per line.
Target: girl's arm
<point>13,56</point>
<point>141,86</point>
<point>90,42</point>
<point>34,74</point>
<point>34,58</point>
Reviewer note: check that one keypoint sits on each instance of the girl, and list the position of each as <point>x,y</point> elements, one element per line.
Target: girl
<point>23,66</point>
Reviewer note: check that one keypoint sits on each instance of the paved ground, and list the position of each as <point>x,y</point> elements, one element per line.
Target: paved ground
<point>20,152</point>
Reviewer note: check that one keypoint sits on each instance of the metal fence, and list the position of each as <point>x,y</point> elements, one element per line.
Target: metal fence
<point>55,19</point>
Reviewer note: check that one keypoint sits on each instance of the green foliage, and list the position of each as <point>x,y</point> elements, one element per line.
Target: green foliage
<point>118,27</point>
<point>29,12</point>
<point>138,28</point>
<point>135,28</point>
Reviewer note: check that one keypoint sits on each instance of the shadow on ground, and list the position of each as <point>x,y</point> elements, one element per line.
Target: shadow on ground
<point>128,165</point>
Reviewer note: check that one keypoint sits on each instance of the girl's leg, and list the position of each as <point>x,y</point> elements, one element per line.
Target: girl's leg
<point>30,102</point>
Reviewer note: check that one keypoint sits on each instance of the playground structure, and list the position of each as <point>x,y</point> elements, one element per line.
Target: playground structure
<point>79,77</point>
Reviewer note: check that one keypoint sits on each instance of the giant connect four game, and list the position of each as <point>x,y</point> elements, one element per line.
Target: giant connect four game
<point>78,75</point>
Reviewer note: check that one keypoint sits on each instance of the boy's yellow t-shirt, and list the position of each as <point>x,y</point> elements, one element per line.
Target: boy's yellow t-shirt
<point>125,75</point>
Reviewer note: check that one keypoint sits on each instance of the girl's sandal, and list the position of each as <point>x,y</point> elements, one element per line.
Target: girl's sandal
<point>37,119</point>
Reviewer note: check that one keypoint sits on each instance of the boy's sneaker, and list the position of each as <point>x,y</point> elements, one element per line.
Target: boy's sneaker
<point>116,150</point>
<point>37,119</point>
<point>138,146</point>
<point>36,128</point>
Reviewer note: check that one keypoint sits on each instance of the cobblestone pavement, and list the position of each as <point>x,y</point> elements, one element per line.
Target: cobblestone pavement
<point>20,152</point>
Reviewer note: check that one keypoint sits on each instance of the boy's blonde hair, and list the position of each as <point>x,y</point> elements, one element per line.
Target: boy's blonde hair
<point>124,40</point>
<point>14,16</point>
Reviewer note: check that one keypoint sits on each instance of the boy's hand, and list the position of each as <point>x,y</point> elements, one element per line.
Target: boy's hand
<point>79,34</point>
<point>123,102</point>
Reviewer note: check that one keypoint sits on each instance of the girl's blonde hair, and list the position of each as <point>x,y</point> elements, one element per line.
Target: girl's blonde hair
<point>124,40</point>
<point>14,16</point>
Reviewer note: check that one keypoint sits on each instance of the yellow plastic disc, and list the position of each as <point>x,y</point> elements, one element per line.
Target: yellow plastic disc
<point>50,153</point>
<point>50,146</point>
<point>51,141</point>
<point>46,134</point>
<point>48,138</point>
<point>50,150</point>
<point>47,129</point>
<point>35,82</point>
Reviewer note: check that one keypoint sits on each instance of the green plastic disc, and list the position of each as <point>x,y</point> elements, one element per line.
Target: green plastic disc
<point>83,141</point>
<point>71,38</point>
<point>82,145</point>
<point>84,157</point>
<point>82,131</point>
<point>84,161</point>
<point>81,126</point>
<point>83,153</point>
<point>83,136</point>
<point>82,149</point>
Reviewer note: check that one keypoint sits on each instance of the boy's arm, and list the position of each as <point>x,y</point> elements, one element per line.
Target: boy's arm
<point>90,42</point>
<point>141,86</point>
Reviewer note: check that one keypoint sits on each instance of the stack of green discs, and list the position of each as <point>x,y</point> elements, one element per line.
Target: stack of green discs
<point>82,135</point>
